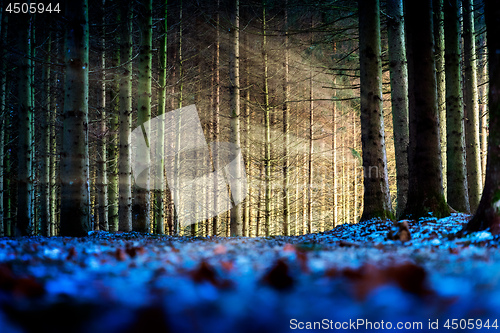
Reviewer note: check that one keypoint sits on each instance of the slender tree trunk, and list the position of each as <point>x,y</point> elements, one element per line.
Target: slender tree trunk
<point>399,97</point>
<point>267,125</point>
<point>234,92</point>
<point>484,115</point>
<point>457,178</point>
<point>377,201</point>
<point>142,201</point>
<point>488,213</point>
<point>310,171</point>
<point>24,124</point>
<point>102,177</point>
<point>3,121</point>
<point>286,131</point>
<point>471,108</point>
<point>438,23</point>
<point>112,142</point>
<point>75,210</point>
<point>425,195</point>
<point>162,100</point>
<point>216,219</point>
<point>45,129</point>
<point>125,97</point>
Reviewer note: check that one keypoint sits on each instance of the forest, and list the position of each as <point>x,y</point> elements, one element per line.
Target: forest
<point>244,166</point>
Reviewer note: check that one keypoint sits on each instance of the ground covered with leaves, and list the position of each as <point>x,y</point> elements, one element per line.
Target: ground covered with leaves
<point>366,277</point>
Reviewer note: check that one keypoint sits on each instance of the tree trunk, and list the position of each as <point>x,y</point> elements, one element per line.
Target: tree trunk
<point>471,108</point>
<point>267,125</point>
<point>425,195</point>
<point>234,92</point>
<point>377,203</point>
<point>24,123</point>
<point>286,130</point>
<point>112,142</point>
<point>75,200</point>
<point>438,22</point>
<point>488,212</point>
<point>162,100</point>
<point>456,170</point>
<point>125,96</point>
<point>399,97</point>
<point>102,177</point>
<point>216,129</point>
<point>142,200</point>
<point>3,121</point>
<point>45,129</point>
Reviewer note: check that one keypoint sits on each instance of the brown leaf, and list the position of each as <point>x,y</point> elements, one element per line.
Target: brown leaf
<point>278,277</point>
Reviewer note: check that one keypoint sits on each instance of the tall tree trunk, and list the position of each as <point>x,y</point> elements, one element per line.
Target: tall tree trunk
<point>142,201</point>
<point>484,113</point>
<point>286,130</point>
<point>25,126</point>
<point>377,201</point>
<point>488,212</point>
<point>455,138</point>
<point>216,129</point>
<point>399,97</point>
<point>425,194</point>
<point>75,210</point>
<point>438,23</point>
<point>125,96</point>
<point>45,129</point>
<point>310,166</point>
<point>162,100</point>
<point>267,125</point>
<point>113,139</point>
<point>471,108</point>
<point>102,177</point>
<point>234,92</point>
<point>3,121</point>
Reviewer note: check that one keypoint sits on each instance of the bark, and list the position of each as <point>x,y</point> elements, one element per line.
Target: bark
<point>113,140</point>
<point>234,92</point>
<point>142,200</point>
<point>286,130</point>
<point>267,125</point>
<point>425,195</point>
<point>471,108</point>
<point>25,126</point>
<point>399,97</point>
<point>438,23</point>
<point>216,129</point>
<point>125,96</point>
<point>75,196</point>
<point>311,145</point>
<point>162,100</point>
<point>102,177</point>
<point>455,134</point>
<point>377,202</point>
<point>3,121</point>
<point>45,129</point>
<point>488,212</point>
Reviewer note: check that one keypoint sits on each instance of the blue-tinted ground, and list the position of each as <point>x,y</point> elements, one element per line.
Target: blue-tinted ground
<point>348,278</point>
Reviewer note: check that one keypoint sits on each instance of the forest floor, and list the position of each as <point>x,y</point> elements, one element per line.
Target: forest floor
<point>350,278</point>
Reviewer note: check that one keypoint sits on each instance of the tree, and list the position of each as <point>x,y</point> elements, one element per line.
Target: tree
<point>267,124</point>
<point>45,129</point>
<point>25,127</point>
<point>399,97</point>
<point>286,129</point>
<point>438,24</point>
<point>234,92</point>
<point>125,96</point>
<point>75,196</point>
<point>425,194</point>
<point>488,212</point>
<point>471,108</point>
<point>456,176</point>
<point>102,179</point>
<point>142,205</point>
<point>162,100</point>
<point>377,202</point>
<point>3,121</point>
